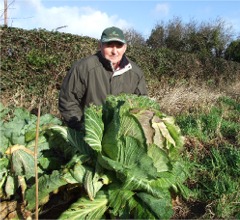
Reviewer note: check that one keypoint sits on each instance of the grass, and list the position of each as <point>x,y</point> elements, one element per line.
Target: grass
<point>217,180</point>
<point>213,158</point>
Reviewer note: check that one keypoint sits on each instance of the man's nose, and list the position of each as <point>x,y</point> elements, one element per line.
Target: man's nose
<point>114,49</point>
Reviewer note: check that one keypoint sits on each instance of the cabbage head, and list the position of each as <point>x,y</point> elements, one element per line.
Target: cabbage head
<point>136,163</point>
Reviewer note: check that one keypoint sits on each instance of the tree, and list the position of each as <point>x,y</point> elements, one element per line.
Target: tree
<point>212,38</point>
<point>233,51</point>
<point>133,37</point>
<point>170,35</point>
<point>157,36</point>
<point>175,34</point>
<point>208,38</point>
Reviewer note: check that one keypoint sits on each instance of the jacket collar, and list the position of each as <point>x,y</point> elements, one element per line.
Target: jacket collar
<point>107,64</point>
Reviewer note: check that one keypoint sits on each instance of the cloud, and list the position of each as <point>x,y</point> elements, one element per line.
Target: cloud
<point>234,25</point>
<point>85,21</point>
<point>162,9</point>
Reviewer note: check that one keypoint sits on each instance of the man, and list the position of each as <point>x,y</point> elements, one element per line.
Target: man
<point>91,79</point>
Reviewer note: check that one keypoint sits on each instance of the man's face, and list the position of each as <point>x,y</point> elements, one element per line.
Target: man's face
<point>113,51</point>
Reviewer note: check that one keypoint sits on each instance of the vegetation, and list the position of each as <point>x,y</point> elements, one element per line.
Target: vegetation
<point>214,159</point>
<point>199,87</point>
<point>233,51</point>
<point>126,162</point>
<point>209,38</point>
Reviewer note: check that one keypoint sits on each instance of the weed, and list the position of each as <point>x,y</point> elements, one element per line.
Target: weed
<point>215,166</point>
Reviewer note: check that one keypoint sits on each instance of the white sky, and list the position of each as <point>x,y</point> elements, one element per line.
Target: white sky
<point>89,18</point>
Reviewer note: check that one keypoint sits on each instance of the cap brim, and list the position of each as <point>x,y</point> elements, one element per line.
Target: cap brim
<point>113,39</point>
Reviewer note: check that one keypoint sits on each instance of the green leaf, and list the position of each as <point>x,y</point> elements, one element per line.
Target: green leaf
<point>13,131</point>
<point>132,160</point>
<point>141,211</point>
<point>48,119</point>
<point>4,141</point>
<point>139,184</point>
<point>173,180</point>
<point>180,175</point>
<point>76,139</point>
<point>94,129</point>
<point>160,158</point>
<point>118,201</point>
<point>69,178</point>
<point>129,126</point>
<point>4,166</point>
<point>22,113</point>
<point>165,181</point>
<point>46,184</point>
<point>174,131</point>
<point>87,209</point>
<point>68,141</point>
<point>23,163</point>
<point>111,137</point>
<point>78,172</point>
<point>60,142</point>
<point>161,207</point>
<point>48,163</point>
<point>135,159</point>
<point>88,184</point>
<point>42,144</point>
<point>3,111</point>
<point>124,204</point>
<point>30,135</point>
<point>93,180</point>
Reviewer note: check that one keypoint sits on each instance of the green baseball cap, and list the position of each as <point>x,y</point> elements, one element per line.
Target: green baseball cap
<point>113,34</point>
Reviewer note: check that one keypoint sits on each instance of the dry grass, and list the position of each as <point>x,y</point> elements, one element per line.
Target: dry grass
<point>173,100</point>
<point>234,90</point>
<point>181,98</point>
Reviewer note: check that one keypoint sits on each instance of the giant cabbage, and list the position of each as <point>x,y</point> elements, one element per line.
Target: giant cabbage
<point>138,148</point>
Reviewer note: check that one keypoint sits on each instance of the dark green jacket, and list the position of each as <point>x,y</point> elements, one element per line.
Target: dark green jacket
<point>91,79</point>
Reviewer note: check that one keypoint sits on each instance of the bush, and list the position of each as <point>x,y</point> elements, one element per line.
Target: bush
<point>233,51</point>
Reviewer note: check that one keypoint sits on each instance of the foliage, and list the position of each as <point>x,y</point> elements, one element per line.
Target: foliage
<point>33,58</point>
<point>233,51</point>
<point>36,58</point>
<point>41,60</point>
<point>134,38</point>
<point>207,38</point>
<point>216,178</point>
<point>128,157</point>
<point>33,64</point>
<point>141,162</point>
<point>218,122</point>
<point>17,143</point>
<point>215,159</point>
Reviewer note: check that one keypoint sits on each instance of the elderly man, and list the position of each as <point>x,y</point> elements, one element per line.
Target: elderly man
<point>91,79</point>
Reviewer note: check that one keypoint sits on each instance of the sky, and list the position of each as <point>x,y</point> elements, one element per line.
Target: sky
<point>89,18</point>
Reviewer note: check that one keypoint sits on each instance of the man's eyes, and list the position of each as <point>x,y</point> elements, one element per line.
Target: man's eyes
<point>116,44</point>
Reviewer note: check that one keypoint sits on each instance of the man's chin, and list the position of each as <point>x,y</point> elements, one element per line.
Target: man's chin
<point>113,60</point>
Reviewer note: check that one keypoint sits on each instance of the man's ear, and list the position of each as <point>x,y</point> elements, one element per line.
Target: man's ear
<point>125,45</point>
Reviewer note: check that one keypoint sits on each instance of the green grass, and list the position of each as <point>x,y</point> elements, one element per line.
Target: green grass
<point>217,178</point>
<point>214,161</point>
<point>221,121</point>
